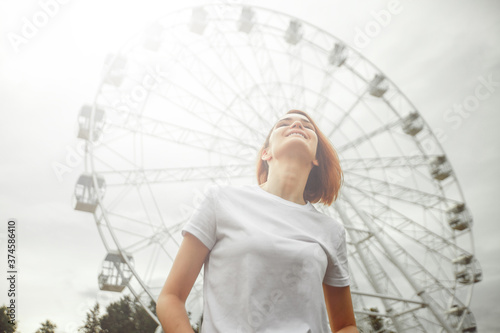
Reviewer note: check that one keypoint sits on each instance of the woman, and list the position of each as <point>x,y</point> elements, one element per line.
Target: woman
<point>272,262</point>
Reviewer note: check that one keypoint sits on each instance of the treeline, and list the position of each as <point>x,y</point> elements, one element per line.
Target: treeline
<point>123,316</point>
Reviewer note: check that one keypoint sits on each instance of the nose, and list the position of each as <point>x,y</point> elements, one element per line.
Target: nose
<point>297,123</point>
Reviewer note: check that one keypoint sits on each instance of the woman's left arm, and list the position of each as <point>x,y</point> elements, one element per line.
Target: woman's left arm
<point>339,307</point>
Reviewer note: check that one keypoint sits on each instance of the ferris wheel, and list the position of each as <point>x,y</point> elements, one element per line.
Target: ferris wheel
<point>188,102</point>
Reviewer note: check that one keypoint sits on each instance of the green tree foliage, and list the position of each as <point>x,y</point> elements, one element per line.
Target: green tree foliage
<point>144,323</point>
<point>122,316</point>
<point>376,322</point>
<point>47,327</point>
<point>197,328</point>
<point>93,322</point>
<point>119,317</point>
<point>5,325</point>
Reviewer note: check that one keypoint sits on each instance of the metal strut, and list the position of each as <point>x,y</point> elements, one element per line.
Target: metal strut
<point>420,292</point>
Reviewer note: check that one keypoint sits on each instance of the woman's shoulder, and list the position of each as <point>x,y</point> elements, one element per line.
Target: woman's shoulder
<point>330,222</point>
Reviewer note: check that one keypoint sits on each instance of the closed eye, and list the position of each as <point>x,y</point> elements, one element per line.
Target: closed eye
<point>306,126</point>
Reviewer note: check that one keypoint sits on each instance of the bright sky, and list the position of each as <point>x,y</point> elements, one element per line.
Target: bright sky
<point>436,52</point>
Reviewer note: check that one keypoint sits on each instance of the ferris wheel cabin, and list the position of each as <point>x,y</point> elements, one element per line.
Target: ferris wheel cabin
<point>246,21</point>
<point>115,273</point>
<point>84,124</point>
<point>86,194</point>
<point>198,20</point>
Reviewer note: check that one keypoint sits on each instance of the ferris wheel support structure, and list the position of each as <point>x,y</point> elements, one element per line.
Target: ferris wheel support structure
<point>419,291</point>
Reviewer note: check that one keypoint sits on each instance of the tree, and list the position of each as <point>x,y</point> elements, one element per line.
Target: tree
<point>376,322</point>
<point>196,329</point>
<point>119,317</point>
<point>47,327</point>
<point>93,322</point>
<point>125,315</point>
<point>143,321</point>
<point>5,324</point>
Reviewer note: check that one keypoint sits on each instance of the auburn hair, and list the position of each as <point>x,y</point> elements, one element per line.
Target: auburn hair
<point>325,179</point>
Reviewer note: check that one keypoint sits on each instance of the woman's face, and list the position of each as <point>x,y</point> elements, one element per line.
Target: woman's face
<point>293,136</point>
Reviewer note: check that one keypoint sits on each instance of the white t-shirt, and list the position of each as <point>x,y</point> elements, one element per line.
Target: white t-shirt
<point>269,257</point>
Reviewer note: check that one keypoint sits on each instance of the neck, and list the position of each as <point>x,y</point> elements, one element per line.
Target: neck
<point>287,180</point>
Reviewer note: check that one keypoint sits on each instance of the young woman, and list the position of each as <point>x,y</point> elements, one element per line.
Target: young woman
<point>272,262</point>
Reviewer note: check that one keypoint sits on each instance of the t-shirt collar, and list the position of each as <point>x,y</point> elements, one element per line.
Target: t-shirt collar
<point>308,204</point>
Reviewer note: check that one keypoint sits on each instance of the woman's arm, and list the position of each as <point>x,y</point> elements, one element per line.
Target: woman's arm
<point>170,306</point>
<point>339,307</point>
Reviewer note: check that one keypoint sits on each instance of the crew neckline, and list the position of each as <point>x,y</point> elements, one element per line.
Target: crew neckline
<point>275,197</point>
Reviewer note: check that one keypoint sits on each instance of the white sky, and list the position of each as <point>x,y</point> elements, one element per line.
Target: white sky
<point>434,51</point>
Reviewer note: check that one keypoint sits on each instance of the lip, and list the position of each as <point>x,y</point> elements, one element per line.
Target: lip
<point>297,131</point>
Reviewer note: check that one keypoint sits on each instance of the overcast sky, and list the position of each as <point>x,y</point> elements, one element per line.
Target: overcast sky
<point>436,52</point>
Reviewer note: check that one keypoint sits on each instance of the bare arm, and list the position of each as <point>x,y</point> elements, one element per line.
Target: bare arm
<point>170,306</point>
<point>339,307</point>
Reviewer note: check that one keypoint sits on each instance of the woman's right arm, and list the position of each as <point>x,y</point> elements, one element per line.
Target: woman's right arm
<point>170,306</point>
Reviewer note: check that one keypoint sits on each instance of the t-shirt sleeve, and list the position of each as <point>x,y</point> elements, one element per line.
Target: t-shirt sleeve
<point>202,223</point>
<point>337,271</point>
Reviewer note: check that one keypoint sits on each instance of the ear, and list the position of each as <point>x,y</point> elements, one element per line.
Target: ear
<point>315,162</point>
<point>266,156</point>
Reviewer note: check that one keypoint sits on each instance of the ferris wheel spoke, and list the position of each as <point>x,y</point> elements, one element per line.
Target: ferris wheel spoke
<point>413,267</point>
<point>377,276</point>
<point>410,229</point>
<point>168,175</point>
<point>111,203</point>
<point>368,136</point>
<point>122,157</point>
<point>140,223</point>
<point>413,161</point>
<point>242,77</point>
<point>277,33</point>
<point>379,279</point>
<point>268,71</point>
<point>346,115</point>
<point>326,84</point>
<point>122,229</point>
<point>296,74</point>
<point>142,243</point>
<point>181,135</point>
<point>394,191</point>
<point>210,80</point>
<point>188,103</point>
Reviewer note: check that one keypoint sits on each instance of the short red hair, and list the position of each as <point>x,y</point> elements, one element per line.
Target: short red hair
<point>325,180</point>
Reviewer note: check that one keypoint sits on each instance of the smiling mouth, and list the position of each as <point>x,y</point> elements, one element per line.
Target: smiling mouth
<point>296,134</point>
